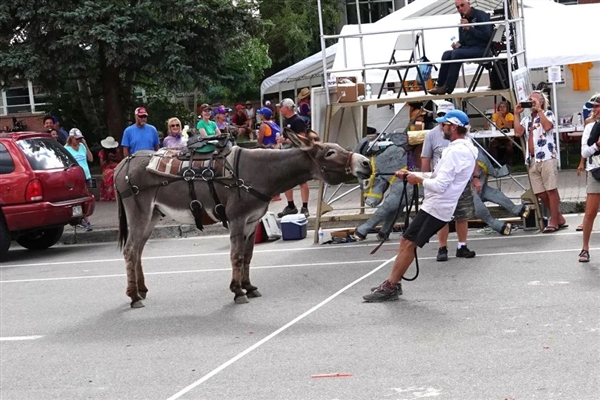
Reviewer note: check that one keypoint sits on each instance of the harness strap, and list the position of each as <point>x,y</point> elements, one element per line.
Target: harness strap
<point>195,205</point>
<point>219,208</point>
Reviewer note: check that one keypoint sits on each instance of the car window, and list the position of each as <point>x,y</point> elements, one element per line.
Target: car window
<point>45,153</point>
<point>6,162</point>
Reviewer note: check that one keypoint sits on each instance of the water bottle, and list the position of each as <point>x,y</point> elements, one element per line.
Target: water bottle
<point>320,235</point>
<point>368,92</point>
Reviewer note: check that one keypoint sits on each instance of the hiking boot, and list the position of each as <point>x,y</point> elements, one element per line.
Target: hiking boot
<point>398,288</point>
<point>385,292</point>
<point>359,237</point>
<point>506,229</point>
<point>441,90</point>
<point>464,252</point>
<point>304,210</point>
<point>383,236</point>
<point>442,254</point>
<point>524,212</point>
<point>288,211</point>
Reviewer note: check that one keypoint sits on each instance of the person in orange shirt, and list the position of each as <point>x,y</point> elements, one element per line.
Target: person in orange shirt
<point>502,146</point>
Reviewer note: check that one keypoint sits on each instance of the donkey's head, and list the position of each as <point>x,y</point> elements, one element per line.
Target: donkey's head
<point>332,163</point>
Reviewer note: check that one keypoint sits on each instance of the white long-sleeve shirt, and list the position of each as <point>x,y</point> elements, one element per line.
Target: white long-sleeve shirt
<point>452,174</point>
<point>588,151</point>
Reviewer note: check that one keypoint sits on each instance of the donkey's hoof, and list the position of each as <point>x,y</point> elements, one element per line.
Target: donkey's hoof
<point>241,299</point>
<point>143,295</point>
<point>137,304</point>
<point>253,293</point>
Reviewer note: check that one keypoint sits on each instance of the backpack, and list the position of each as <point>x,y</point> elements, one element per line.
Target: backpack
<point>424,71</point>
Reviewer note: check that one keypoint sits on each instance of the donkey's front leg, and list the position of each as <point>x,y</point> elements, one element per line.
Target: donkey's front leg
<point>251,291</point>
<point>237,241</point>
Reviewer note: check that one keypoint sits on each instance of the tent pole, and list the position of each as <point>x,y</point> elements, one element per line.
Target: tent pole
<point>324,54</point>
<point>556,133</point>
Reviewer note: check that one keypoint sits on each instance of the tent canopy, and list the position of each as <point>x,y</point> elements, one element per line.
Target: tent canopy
<point>309,72</point>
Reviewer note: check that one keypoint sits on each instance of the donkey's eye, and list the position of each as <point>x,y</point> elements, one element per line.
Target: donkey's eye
<point>330,153</point>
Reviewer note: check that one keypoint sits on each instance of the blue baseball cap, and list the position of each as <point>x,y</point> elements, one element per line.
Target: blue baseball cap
<point>594,101</point>
<point>454,117</point>
<point>266,112</point>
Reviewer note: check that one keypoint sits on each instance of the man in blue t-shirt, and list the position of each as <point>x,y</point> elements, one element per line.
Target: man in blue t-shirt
<point>140,136</point>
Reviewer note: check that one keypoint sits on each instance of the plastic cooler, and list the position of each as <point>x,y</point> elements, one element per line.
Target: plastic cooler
<point>293,227</point>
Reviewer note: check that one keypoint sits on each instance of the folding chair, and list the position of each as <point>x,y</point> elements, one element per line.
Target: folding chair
<point>406,41</point>
<point>494,48</point>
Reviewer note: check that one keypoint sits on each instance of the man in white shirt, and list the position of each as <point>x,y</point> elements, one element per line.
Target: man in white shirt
<point>541,156</point>
<point>442,190</point>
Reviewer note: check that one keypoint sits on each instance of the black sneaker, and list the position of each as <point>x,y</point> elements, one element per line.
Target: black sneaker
<point>384,292</point>
<point>442,254</point>
<point>288,211</point>
<point>398,288</point>
<point>382,236</point>
<point>304,210</point>
<point>464,252</point>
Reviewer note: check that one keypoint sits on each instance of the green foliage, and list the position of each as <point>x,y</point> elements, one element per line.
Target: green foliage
<point>293,28</point>
<point>114,45</point>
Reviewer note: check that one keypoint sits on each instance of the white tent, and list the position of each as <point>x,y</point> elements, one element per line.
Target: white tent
<point>546,45</point>
<point>309,71</point>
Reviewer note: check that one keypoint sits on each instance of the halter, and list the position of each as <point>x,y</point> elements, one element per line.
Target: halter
<point>347,166</point>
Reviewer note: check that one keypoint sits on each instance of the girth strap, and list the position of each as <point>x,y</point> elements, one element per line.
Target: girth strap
<point>195,206</point>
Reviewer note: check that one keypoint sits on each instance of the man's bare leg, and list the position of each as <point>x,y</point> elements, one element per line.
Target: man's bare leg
<point>405,257</point>
<point>442,235</point>
<point>462,230</point>
<point>289,195</point>
<point>304,192</point>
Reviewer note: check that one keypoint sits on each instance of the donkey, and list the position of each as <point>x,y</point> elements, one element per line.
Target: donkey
<point>257,176</point>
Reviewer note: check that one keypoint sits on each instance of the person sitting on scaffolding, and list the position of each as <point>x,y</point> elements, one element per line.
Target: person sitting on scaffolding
<point>472,42</point>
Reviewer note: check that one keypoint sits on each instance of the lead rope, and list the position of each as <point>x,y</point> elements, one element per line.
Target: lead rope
<point>414,201</point>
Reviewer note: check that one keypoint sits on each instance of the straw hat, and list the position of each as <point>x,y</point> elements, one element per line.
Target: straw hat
<point>304,93</point>
<point>109,143</point>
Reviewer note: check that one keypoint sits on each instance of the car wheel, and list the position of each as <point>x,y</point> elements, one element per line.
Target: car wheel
<point>41,240</point>
<point>4,238</point>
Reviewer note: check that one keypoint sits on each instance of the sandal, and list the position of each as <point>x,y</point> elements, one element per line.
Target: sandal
<point>550,229</point>
<point>584,256</point>
<point>563,226</point>
<point>579,228</point>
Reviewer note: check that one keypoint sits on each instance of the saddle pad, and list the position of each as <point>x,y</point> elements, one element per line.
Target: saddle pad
<point>165,162</point>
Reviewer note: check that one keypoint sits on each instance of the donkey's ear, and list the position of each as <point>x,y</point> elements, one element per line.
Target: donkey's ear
<point>297,140</point>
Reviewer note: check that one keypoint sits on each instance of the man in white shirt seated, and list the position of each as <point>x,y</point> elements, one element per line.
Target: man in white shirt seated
<point>442,190</point>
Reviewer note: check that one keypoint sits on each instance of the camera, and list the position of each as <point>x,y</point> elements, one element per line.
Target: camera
<point>526,104</point>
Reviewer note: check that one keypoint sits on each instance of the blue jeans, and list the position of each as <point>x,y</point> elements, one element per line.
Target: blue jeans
<point>496,196</point>
<point>449,72</point>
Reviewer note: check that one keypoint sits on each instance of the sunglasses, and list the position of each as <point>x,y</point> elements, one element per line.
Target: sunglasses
<point>142,116</point>
<point>176,125</point>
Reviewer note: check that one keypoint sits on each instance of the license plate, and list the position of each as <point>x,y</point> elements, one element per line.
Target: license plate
<point>77,211</point>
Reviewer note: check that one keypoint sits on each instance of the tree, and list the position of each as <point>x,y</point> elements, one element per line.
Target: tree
<point>104,48</point>
<point>292,29</point>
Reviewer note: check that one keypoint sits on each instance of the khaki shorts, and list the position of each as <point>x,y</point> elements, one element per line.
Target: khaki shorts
<point>593,186</point>
<point>544,175</point>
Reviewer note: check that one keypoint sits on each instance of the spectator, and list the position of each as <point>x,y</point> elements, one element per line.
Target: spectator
<point>590,116</point>
<point>442,190</point>
<point>175,138</point>
<point>269,131</point>
<point>221,114</point>
<point>434,145</point>
<point>294,122</point>
<point>205,126</point>
<point>540,156</point>
<point>472,42</point>
<point>250,112</point>
<point>50,125</point>
<point>141,135</point>
<point>502,147</point>
<point>304,105</point>
<point>590,150</point>
<point>241,121</point>
<point>109,158</point>
<point>78,148</point>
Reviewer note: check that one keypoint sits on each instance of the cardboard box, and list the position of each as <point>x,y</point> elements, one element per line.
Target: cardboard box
<point>361,88</point>
<point>339,79</point>
<point>347,92</point>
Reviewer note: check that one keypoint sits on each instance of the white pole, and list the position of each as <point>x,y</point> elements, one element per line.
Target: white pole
<point>556,133</point>
<point>323,52</point>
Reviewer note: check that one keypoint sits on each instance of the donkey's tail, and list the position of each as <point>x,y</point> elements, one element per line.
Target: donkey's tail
<point>123,230</point>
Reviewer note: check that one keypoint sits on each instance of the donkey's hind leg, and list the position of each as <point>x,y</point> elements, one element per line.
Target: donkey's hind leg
<point>140,228</point>
<point>251,290</point>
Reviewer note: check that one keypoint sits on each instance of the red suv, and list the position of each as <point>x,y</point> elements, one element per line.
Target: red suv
<point>42,188</point>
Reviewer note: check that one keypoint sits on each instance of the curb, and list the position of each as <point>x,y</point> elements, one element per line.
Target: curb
<point>106,235</point>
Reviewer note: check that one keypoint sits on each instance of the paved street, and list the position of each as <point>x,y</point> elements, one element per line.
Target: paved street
<point>520,320</point>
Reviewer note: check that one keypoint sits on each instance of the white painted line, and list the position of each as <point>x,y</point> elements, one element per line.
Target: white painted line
<point>193,271</point>
<point>16,338</point>
<point>279,250</point>
<point>277,332</point>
